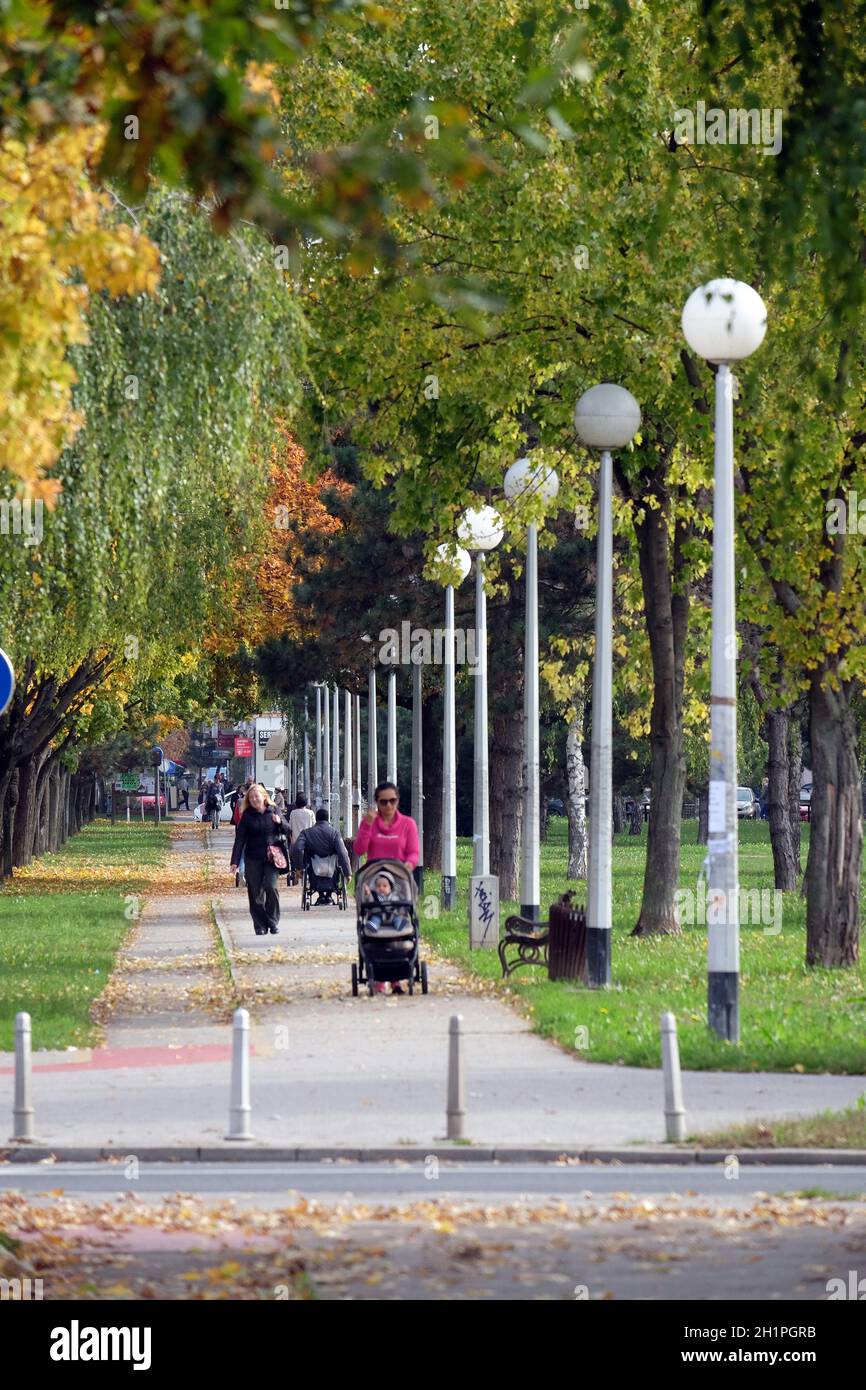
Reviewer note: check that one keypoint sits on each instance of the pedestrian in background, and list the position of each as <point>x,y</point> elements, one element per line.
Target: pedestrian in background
<point>259,831</point>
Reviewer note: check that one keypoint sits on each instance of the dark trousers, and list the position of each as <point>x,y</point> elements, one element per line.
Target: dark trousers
<point>262,893</point>
<point>185,796</point>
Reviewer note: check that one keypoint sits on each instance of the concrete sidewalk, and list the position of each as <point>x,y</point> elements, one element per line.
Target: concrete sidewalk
<point>332,1071</point>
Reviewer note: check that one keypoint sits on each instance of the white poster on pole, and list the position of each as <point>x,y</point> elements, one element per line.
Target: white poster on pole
<point>483,912</point>
<point>718,800</point>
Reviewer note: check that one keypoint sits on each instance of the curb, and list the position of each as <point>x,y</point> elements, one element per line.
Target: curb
<point>216,909</point>
<point>262,1153</point>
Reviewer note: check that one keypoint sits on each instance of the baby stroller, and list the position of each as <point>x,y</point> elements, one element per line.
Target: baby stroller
<point>388,932</point>
<point>324,876</point>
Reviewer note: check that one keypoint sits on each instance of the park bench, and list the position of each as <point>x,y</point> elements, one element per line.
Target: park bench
<point>530,939</point>
<point>530,942</point>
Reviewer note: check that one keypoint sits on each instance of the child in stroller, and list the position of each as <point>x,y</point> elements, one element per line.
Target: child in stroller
<point>384,891</point>
<point>388,934</point>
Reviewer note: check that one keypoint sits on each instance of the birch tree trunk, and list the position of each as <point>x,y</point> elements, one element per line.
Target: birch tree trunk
<point>576,773</point>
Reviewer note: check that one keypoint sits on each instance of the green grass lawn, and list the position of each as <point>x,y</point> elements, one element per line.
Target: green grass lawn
<point>791,1018</point>
<point>61,923</point>
<point>832,1129</point>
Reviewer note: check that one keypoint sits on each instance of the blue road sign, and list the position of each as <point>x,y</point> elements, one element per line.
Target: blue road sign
<point>7,682</point>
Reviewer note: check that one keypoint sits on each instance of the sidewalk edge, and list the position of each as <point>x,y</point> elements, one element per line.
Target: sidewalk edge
<point>264,1153</point>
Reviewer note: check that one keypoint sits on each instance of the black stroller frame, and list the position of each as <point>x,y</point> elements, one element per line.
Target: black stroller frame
<point>389,934</point>
<point>311,883</point>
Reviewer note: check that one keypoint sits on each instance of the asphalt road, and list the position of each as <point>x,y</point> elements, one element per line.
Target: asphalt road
<point>269,1184</point>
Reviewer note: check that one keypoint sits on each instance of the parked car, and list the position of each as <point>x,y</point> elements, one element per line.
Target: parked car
<point>748,806</point>
<point>806,802</point>
<point>149,803</point>
<point>555,807</point>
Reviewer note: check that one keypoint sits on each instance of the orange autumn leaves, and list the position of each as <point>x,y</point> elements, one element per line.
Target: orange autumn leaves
<point>59,242</point>
<point>264,584</point>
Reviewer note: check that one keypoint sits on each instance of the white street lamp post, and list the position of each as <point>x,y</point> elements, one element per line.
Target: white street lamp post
<point>723,321</point>
<point>318,746</point>
<point>306,751</point>
<point>335,760</point>
<point>461,564</point>
<point>372,752</point>
<point>358,796</point>
<point>348,829</point>
<point>418,771</point>
<point>606,417</point>
<point>326,754</point>
<point>480,530</point>
<point>525,478</point>
<point>392,726</point>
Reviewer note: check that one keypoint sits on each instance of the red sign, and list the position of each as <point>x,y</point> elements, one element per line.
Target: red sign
<point>243,748</point>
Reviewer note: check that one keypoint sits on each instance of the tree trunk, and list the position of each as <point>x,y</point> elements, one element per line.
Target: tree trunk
<point>666,619</point>
<point>836,838</point>
<point>704,814</point>
<point>506,801</point>
<point>52,824</point>
<point>576,773</point>
<point>795,776</point>
<point>8,808</point>
<point>618,815</point>
<point>785,865</point>
<point>24,833</point>
<point>431,757</point>
<point>544,818</point>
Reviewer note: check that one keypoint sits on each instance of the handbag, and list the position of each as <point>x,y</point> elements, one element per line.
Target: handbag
<point>277,857</point>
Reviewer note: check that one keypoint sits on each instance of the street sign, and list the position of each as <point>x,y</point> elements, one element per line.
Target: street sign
<point>129,781</point>
<point>243,748</point>
<point>7,682</point>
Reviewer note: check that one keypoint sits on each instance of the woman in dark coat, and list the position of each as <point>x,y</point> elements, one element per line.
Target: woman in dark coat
<point>260,825</point>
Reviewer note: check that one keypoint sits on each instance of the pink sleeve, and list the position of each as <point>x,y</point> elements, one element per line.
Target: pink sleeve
<point>362,839</point>
<point>412,851</point>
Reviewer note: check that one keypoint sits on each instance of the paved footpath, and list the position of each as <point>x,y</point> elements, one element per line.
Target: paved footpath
<point>329,1070</point>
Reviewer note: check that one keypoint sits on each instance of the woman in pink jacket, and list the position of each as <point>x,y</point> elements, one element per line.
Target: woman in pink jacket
<point>386,834</point>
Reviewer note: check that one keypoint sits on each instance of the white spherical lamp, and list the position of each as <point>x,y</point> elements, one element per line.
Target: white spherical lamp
<point>606,417</point>
<point>525,478</point>
<point>724,320</point>
<point>480,528</point>
<point>456,560</point>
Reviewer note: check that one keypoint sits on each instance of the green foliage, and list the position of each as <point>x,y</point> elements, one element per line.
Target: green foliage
<point>163,488</point>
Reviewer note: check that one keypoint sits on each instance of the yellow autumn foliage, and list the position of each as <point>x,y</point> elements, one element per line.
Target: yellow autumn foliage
<point>59,242</point>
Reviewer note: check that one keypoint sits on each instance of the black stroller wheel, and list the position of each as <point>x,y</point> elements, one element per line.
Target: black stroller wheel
<point>424,978</point>
<point>354,980</point>
<point>411,985</point>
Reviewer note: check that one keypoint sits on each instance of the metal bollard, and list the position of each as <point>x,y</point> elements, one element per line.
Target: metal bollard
<point>456,1112</point>
<point>675,1115</point>
<point>239,1109</point>
<point>22,1110</point>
